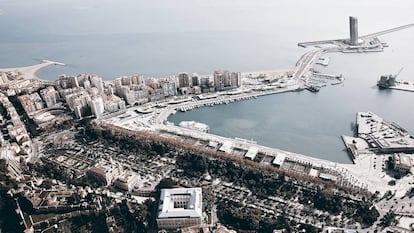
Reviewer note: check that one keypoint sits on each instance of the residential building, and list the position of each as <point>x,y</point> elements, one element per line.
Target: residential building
<point>50,96</point>
<point>97,106</point>
<point>183,80</point>
<point>169,89</point>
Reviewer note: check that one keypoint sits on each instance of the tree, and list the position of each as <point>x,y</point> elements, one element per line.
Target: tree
<point>366,214</point>
<point>46,184</point>
<point>9,220</point>
<point>326,200</point>
<point>3,166</point>
<point>166,183</point>
<point>388,219</point>
<point>74,199</point>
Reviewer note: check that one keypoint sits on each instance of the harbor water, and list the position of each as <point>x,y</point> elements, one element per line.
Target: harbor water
<point>162,38</point>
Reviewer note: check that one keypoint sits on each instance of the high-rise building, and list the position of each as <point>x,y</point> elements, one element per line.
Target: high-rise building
<point>195,80</point>
<point>353,30</point>
<point>137,79</point>
<point>169,89</point>
<point>224,80</point>
<point>235,79</point>
<point>50,96</point>
<point>97,106</point>
<point>97,82</point>
<point>218,80</point>
<point>183,80</point>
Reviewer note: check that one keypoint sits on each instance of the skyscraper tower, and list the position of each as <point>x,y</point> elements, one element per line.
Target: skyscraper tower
<point>353,30</point>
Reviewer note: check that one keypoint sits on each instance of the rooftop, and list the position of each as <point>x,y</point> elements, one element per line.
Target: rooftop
<point>251,153</point>
<point>279,159</point>
<point>180,202</point>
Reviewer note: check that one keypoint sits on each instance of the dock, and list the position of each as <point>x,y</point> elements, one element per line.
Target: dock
<point>403,86</point>
<point>324,61</point>
<point>354,146</point>
<point>383,136</point>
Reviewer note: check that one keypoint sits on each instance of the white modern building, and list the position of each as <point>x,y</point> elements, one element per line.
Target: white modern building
<point>97,106</point>
<point>251,153</point>
<point>180,208</point>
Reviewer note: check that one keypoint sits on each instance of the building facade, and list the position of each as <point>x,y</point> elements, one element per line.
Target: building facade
<point>353,30</point>
<point>183,80</point>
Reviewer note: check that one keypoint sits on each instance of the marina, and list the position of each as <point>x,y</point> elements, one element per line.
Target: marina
<point>200,108</point>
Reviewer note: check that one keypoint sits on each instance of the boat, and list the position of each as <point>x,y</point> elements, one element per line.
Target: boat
<point>313,88</point>
<point>161,105</point>
<point>144,110</point>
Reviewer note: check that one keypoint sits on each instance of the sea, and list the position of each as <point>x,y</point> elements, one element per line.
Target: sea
<point>160,38</point>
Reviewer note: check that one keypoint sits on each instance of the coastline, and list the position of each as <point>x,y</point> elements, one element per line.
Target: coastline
<point>293,79</point>
<point>29,72</point>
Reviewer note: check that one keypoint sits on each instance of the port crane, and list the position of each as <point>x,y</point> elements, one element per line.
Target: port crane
<point>395,76</point>
<point>388,80</point>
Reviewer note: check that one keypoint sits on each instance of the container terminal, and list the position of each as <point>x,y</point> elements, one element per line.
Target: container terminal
<point>375,134</point>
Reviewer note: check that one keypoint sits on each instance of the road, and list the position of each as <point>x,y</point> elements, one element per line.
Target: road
<point>308,60</point>
<point>380,33</point>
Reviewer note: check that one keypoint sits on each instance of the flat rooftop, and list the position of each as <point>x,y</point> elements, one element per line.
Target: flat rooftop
<point>180,203</point>
<point>251,153</point>
<point>279,159</point>
<point>388,136</point>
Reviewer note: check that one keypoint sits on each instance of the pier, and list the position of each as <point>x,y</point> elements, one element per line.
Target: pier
<point>365,43</point>
<point>380,33</point>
